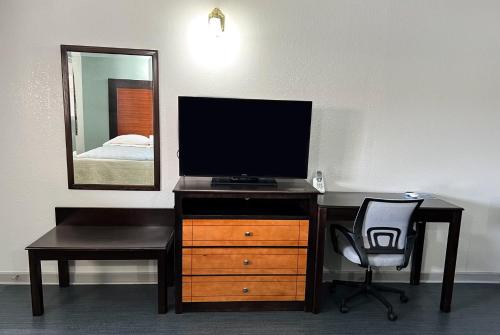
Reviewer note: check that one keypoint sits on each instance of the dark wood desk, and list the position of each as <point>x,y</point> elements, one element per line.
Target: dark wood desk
<point>335,206</point>
<point>104,234</point>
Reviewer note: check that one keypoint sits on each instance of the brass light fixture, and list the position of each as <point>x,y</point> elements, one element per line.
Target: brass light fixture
<point>216,21</point>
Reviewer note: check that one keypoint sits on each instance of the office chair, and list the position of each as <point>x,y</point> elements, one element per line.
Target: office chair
<point>382,235</point>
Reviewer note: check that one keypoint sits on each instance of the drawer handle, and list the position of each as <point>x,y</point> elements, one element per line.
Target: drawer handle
<point>248,233</point>
<point>246,262</point>
<point>245,290</point>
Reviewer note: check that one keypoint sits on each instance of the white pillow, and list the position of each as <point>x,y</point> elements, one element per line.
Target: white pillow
<point>131,140</point>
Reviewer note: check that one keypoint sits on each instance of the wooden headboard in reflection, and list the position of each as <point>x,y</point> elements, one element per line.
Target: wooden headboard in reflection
<point>130,107</point>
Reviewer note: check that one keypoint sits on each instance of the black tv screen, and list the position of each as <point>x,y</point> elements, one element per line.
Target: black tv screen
<point>243,137</point>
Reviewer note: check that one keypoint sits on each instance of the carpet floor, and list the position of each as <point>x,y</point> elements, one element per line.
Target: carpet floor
<point>131,309</point>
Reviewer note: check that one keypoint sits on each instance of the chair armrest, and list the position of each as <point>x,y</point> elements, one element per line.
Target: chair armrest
<point>346,232</point>
<point>354,240</point>
<point>410,243</point>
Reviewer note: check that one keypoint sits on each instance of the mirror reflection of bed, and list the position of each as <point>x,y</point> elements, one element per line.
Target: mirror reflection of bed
<point>123,160</point>
<point>111,104</point>
<point>127,158</point>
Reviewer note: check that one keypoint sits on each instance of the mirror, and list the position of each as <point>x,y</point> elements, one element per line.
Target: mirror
<point>111,115</point>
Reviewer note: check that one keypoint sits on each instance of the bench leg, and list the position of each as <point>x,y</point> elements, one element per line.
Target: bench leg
<point>63,270</point>
<point>162,283</point>
<point>170,266</point>
<point>36,283</point>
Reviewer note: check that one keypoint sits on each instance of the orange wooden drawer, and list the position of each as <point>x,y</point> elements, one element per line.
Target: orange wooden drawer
<point>243,288</point>
<point>214,232</point>
<point>207,261</point>
<point>303,233</point>
<point>302,262</point>
<point>301,288</point>
<point>186,289</point>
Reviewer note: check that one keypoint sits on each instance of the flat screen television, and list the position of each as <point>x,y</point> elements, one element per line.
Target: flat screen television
<point>243,140</point>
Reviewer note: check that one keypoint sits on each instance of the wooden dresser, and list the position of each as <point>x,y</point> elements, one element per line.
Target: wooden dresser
<point>244,247</point>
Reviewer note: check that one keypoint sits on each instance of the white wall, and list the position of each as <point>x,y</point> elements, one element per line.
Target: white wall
<point>406,97</point>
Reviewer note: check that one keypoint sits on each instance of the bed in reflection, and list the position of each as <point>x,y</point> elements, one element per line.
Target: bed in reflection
<point>124,160</point>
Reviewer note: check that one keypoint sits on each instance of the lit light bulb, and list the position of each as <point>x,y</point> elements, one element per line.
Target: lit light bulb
<point>214,26</point>
<point>209,52</point>
<point>216,22</point>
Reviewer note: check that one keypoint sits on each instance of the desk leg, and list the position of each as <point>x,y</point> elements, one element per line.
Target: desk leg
<point>36,283</point>
<point>63,271</point>
<point>162,282</point>
<point>450,262</point>
<point>418,249</point>
<point>320,252</point>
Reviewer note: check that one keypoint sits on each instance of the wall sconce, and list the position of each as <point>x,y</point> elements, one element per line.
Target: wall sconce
<point>216,22</point>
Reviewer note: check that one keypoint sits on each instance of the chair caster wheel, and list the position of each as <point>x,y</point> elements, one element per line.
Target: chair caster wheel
<point>343,308</point>
<point>391,316</point>
<point>403,298</point>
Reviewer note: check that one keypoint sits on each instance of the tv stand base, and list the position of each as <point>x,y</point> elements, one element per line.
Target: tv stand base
<point>244,181</point>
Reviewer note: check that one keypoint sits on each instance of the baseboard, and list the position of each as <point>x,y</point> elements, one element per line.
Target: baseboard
<point>404,276</point>
<point>84,278</point>
<point>89,278</point>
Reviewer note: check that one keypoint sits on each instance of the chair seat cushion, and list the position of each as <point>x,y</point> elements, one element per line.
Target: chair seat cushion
<point>347,250</point>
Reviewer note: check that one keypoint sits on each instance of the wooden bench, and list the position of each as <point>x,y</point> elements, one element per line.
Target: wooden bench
<point>104,234</point>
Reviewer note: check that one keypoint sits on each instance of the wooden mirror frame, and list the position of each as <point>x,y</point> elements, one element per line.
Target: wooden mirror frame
<point>67,116</point>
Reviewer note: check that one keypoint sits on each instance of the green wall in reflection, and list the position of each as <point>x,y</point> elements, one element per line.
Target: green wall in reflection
<point>96,70</point>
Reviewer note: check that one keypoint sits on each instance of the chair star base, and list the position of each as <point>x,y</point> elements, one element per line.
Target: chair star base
<point>368,288</point>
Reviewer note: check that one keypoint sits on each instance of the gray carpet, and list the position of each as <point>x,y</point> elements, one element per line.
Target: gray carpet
<point>131,309</point>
